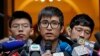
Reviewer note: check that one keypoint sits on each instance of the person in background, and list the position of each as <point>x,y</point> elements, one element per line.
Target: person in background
<point>20,28</point>
<point>81,26</point>
<point>50,26</point>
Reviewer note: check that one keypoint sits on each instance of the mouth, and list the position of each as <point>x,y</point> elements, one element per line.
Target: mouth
<point>49,34</point>
<point>20,36</point>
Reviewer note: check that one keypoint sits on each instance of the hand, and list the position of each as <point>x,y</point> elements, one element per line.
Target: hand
<point>47,53</point>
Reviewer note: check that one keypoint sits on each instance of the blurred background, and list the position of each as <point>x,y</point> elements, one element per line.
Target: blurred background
<point>69,8</point>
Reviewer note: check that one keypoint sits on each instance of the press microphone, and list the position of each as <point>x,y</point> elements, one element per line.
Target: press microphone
<point>97,44</point>
<point>80,51</point>
<point>48,46</point>
<point>65,47</point>
<point>12,45</point>
<point>97,36</point>
<point>93,47</point>
<point>61,54</point>
<point>34,50</point>
<point>96,51</point>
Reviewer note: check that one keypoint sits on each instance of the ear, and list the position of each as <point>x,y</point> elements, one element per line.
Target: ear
<point>62,29</point>
<point>68,30</point>
<point>31,31</point>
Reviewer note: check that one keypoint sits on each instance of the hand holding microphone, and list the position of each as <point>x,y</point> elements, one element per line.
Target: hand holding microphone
<point>47,53</point>
<point>48,47</point>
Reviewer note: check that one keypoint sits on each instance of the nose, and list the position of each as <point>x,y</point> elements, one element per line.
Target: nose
<point>82,34</point>
<point>20,29</point>
<point>49,27</point>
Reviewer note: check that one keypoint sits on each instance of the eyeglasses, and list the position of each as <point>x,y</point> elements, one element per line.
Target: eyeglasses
<point>18,26</point>
<point>53,24</point>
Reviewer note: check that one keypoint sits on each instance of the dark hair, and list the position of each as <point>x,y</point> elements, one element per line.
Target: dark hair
<point>20,15</point>
<point>83,20</point>
<point>50,11</point>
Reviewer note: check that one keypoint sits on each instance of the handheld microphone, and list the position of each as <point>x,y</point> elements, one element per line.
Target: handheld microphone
<point>93,47</point>
<point>97,36</point>
<point>48,46</point>
<point>80,51</point>
<point>34,50</point>
<point>12,45</point>
<point>96,51</point>
<point>65,47</point>
<point>96,46</point>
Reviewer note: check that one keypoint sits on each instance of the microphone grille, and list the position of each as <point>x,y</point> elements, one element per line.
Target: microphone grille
<point>48,45</point>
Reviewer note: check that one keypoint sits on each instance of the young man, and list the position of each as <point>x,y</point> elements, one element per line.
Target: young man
<point>81,26</point>
<point>50,26</point>
<point>20,27</point>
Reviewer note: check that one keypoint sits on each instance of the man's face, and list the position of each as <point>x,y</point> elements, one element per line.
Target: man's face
<point>50,28</point>
<point>20,29</point>
<point>80,31</point>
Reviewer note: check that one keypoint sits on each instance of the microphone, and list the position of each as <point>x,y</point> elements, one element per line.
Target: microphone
<point>65,47</point>
<point>80,51</point>
<point>34,50</point>
<point>61,54</point>
<point>48,46</point>
<point>96,51</point>
<point>96,46</point>
<point>97,36</point>
<point>93,47</point>
<point>11,45</point>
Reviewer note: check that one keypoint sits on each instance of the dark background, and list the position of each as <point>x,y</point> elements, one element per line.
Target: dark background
<point>1,19</point>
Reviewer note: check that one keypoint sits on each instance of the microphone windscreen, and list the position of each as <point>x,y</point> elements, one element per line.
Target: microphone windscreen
<point>96,46</point>
<point>65,47</point>
<point>11,45</point>
<point>97,36</point>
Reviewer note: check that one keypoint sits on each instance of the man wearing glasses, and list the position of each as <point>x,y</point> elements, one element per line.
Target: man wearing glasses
<point>20,27</point>
<point>50,26</point>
